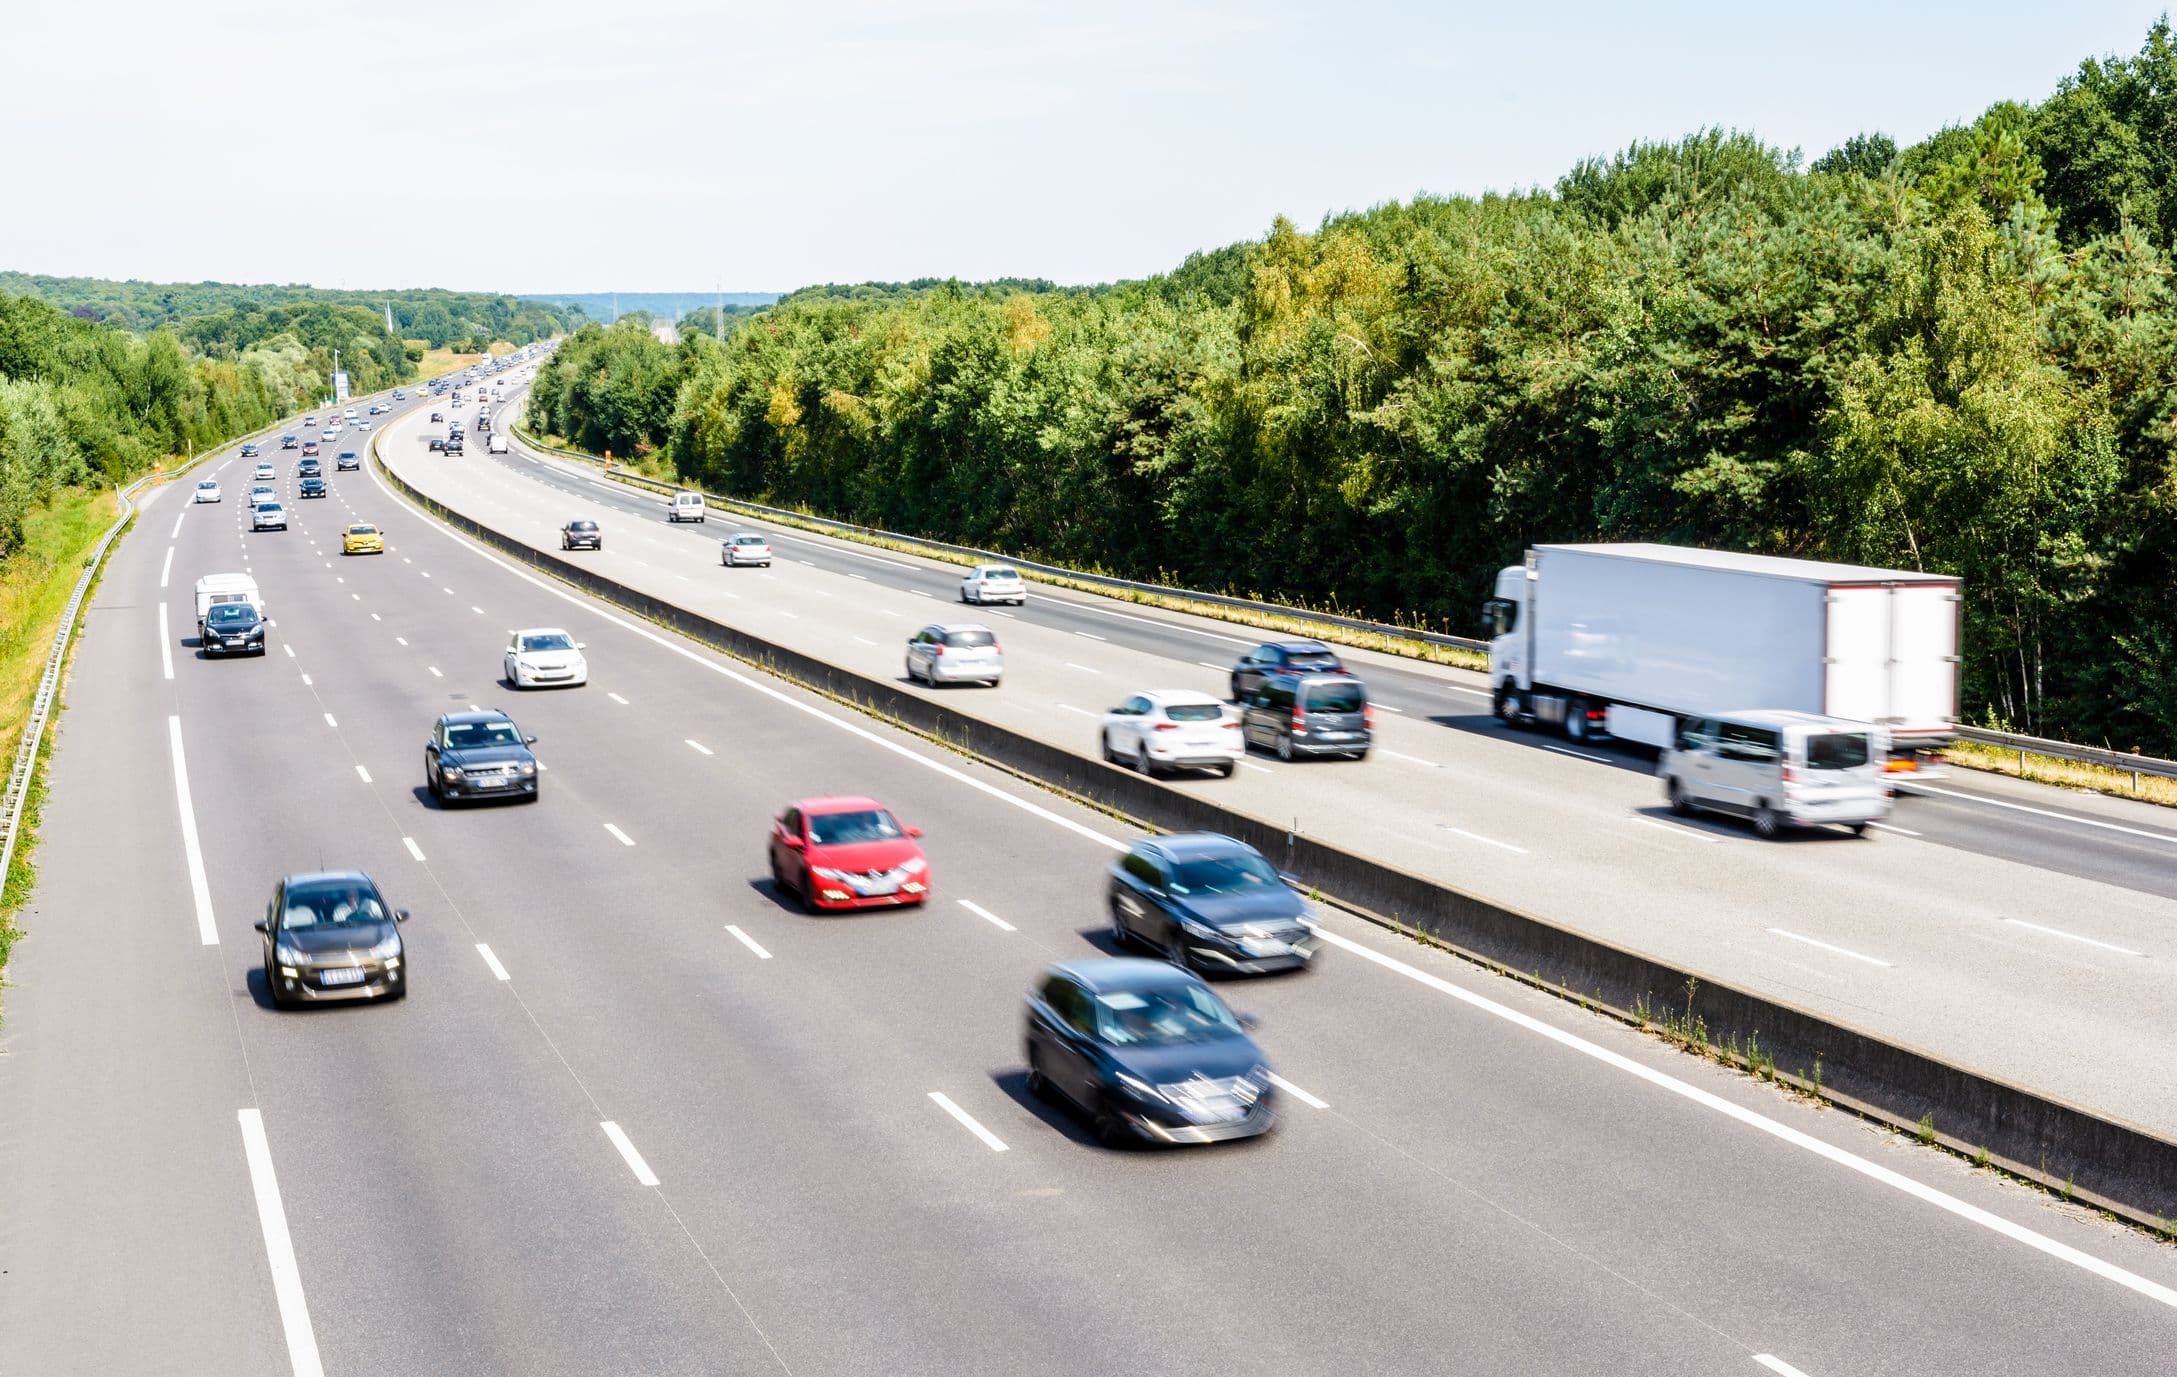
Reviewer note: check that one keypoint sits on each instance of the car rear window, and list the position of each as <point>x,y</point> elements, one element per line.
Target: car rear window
<point>1348,696</point>
<point>1837,751</point>
<point>969,639</point>
<point>1193,712</point>
<point>1000,575</point>
<point>1309,659</point>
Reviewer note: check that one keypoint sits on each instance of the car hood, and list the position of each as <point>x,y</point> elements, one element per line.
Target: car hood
<point>327,938</point>
<point>1254,906</point>
<point>548,659</point>
<point>1217,1058</point>
<point>487,755</point>
<point>862,856</point>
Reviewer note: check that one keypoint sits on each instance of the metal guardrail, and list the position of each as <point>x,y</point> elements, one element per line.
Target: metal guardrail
<point>2135,765</point>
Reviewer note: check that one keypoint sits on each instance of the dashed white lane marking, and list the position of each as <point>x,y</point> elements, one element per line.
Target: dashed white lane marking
<point>166,645</point>
<point>413,849</point>
<point>865,640</point>
<point>477,610</point>
<point>1258,769</point>
<point>1388,708</point>
<point>290,651</point>
<point>616,698</point>
<point>1677,830</point>
<point>402,639</point>
<point>623,838</point>
<point>1207,665</point>
<point>986,915</point>
<point>1083,711</point>
<point>1091,636</point>
<point>376,618</point>
<point>635,1163</point>
<point>363,773</point>
<point>434,671</point>
<point>1297,1093</point>
<point>1083,668</point>
<point>790,616</point>
<point>192,850</point>
<point>1576,755</point>
<point>166,568</point>
<point>1777,1365</point>
<point>749,942</point>
<point>175,534</point>
<point>2059,932</point>
<point>1478,837</point>
<point>1887,827</point>
<point>331,723</point>
<point>306,681</point>
<point>1412,759</point>
<point>498,971</point>
<point>1832,947</point>
<point>967,1121</point>
<point>700,748</point>
<point>302,1354</point>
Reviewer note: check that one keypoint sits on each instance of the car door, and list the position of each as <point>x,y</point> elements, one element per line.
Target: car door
<point>1745,764</point>
<point>1069,1042</point>
<point>513,648</point>
<point>918,651</point>
<point>1247,674</point>
<point>431,749</point>
<point>1125,725</point>
<point>1133,885</point>
<point>785,860</point>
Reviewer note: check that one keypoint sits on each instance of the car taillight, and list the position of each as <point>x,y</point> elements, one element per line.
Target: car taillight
<point>1368,716</point>
<point>1167,726</point>
<point>937,650</point>
<point>1232,724</point>
<point>1300,718</point>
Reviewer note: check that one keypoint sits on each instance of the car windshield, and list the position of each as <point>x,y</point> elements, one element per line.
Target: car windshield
<point>865,825</point>
<point>1193,712</point>
<point>1336,698</point>
<point>327,905</point>
<point>554,640</point>
<point>1238,873</point>
<point>966,639</point>
<point>468,736</point>
<point>1837,751</point>
<point>362,530</point>
<point>231,612</point>
<point>1162,1017</point>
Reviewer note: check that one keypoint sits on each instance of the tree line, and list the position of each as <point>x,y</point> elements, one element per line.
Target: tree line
<point>1959,356</point>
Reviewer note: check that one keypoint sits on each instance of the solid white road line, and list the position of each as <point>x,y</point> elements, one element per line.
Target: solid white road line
<point>749,942</point>
<point>365,774</point>
<point>1486,841</point>
<point>617,699</point>
<point>1886,827</point>
<point>990,1140</point>
<point>1091,636</point>
<point>1399,755</point>
<point>192,851</point>
<point>1083,668</point>
<point>865,640</point>
<point>623,838</point>
<point>1841,951</point>
<point>1297,1093</point>
<point>166,645</point>
<point>1777,1365</point>
<point>628,1154</point>
<point>497,970</point>
<point>1754,1119</point>
<point>413,849</point>
<point>2163,837</point>
<point>331,723</point>
<point>302,1354</point>
<point>700,748</point>
<point>1577,755</point>
<point>2058,932</point>
<point>166,568</point>
<point>986,915</point>
<point>1677,831</point>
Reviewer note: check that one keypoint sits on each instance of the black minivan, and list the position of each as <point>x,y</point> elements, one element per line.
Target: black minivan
<point>1308,714</point>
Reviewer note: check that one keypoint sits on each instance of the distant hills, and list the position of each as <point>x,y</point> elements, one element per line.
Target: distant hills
<point>608,306</point>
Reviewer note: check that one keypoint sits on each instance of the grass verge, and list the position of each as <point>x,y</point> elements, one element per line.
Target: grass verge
<point>2065,774</point>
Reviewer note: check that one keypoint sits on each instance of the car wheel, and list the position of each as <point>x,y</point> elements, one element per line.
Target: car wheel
<point>1508,708</point>
<point>1675,791</point>
<point>1039,1085</point>
<point>1766,821</point>
<point>272,987</point>
<point>1226,769</point>
<point>1234,695</point>
<point>1109,1128</point>
<point>1576,720</point>
<point>1859,829</point>
<point>912,677</point>
<point>1285,746</point>
<point>1142,762</point>
<point>1356,755</point>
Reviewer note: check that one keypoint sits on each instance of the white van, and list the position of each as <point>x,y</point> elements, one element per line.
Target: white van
<point>496,445</point>
<point>213,589</point>
<point>687,506</point>
<point>1781,769</point>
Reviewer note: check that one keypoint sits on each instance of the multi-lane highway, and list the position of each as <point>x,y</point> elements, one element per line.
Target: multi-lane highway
<point>639,1116</point>
<point>2017,930</point>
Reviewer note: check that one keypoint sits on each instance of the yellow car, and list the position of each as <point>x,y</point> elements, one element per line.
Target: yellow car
<point>362,539</point>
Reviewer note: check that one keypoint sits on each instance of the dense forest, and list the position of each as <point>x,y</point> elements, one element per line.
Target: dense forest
<point>1957,356</point>
<point>441,319</point>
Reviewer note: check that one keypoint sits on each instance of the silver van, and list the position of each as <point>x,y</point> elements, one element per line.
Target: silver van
<point>1299,713</point>
<point>1781,769</point>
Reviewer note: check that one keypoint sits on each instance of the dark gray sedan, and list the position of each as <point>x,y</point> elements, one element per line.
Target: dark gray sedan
<point>331,936</point>
<point>479,755</point>
<point>1209,902</point>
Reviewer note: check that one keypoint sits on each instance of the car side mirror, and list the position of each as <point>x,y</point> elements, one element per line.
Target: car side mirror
<point>794,843</point>
<point>261,925</point>
<point>400,915</point>
<point>529,741</point>
<point>914,831</point>
<point>1249,1021</point>
<point>581,645</point>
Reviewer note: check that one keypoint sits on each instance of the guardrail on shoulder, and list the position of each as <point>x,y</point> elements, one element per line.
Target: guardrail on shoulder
<point>2137,765</point>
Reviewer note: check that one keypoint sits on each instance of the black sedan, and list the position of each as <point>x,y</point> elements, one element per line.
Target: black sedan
<point>288,442</point>
<point>1148,1053</point>
<point>313,486</point>
<point>1210,902</point>
<point>346,461</point>
<point>479,755</point>
<point>581,535</point>
<point>1305,656</point>
<point>329,936</point>
<point>233,628</point>
<point>438,416</point>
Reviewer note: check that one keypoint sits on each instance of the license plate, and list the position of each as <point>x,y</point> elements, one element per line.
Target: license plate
<point>490,782</point>
<point>351,975</point>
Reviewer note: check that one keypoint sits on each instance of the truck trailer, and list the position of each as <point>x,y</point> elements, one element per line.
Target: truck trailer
<point>1630,640</point>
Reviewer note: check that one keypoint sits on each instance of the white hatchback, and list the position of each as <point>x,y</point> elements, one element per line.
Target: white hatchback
<point>1173,729</point>
<point>993,583</point>
<point>545,655</point>
<point>745,547</point>
<point>208,490</point>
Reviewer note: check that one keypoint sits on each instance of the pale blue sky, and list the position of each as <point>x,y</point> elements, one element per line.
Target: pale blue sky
<point>536,145</point>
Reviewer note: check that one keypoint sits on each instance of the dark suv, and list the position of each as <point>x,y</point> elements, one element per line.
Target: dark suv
<point>1210,902</point>
<point>313,486</point>
<point>1308,713</point>
<point>479,755</point>
<point>1247,672</point>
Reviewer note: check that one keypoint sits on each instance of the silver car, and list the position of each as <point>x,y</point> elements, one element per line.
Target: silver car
<point>1779,769</point>
<point>744,547</point>
<point>955,652</point>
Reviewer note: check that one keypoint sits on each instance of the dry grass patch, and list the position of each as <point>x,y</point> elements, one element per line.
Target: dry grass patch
<point>2066,774</point>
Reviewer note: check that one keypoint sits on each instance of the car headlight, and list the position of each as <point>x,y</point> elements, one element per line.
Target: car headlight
<point>386,950</point>
<point>1135,1085</point>
<point>287,956</point>
<point>450,771</point>
<point>258,634</point>
<point>1194,929</point>
<point>529,767</point>
<point>914,867</point>
<point>825,872</point>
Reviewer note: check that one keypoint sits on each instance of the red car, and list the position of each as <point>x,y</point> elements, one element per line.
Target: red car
<point>847,853</point>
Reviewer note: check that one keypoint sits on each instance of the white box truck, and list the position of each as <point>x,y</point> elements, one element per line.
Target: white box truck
<point>1628,640</point>
<point>219,588</point>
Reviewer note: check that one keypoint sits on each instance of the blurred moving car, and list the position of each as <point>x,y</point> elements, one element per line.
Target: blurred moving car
<point>581,535</point>
<point>262,494</point>
<point>1173,729</point>
<point>1147,1052</point>
<point>1209,901</point>
<point>330,935</point>
<point>1778,769</point>
<point>847,852</point>
<point>438,416</point>
<point>308,447</point>
<point>479,755</point>
<point>545,655</point>
<point>346,461</point>
<point>1299,712</point>
<point>994,583</point>
<point>1282,655</point>
<point>288,442</point>
<point>208,490</point>
<point>744,547</point>
<point>232,628</point>
<point>362,538</point>
<point>955,652</point>
<point>268,516</point>
<point>249,449</point>
<point>264,471</point>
